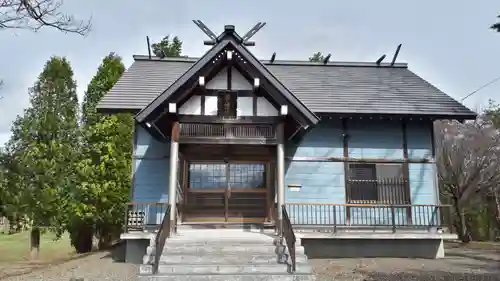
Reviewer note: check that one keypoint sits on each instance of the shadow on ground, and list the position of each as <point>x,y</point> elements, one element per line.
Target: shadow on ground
<point>430,276</point>
<point>116,253</point>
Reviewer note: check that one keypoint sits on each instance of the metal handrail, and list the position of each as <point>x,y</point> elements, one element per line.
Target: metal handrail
<point>286,232</point>
<point>163,233</point>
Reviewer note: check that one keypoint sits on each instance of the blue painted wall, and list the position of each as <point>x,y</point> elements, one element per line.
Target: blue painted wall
<point>423,181</point>
<point>375,139</point>
<point>150,174</point>
<point>323,181</point>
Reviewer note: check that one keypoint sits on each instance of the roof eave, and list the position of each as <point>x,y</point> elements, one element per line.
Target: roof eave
<point>303,109</point>
<point>437,116</point>
<point>210,55</point>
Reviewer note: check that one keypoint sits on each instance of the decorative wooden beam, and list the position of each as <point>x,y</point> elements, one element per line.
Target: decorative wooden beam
<point>202,102</point>
<point>149,47</point>
<point>252,32</point>
<point>240,120</point>
<point>433,141</point>
<point>159,131</point>
<point>254,105</point>
<point>406,169</point>
<point>396,55</point>
<point>357,160</point>
<point>327,58</point>
<point>345,141</point>
<point>273,57</point>
<point>229,78</point>
<point>202,140</point>
<point>241,93</point>
<point>379,61</point>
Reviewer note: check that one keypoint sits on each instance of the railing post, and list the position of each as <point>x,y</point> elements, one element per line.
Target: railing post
<point>334,219</point>
<point>393,219</point>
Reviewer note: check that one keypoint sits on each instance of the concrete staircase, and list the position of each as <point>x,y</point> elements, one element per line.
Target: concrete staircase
<point>225,254</point>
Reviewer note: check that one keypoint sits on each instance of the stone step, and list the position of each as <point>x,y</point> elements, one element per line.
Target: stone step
<point>226,226</point>
<point>224,249</point>
<point>224,268</point>
<point>226,259</point>
<point>224,234</point>
<point>225,241</point>
<point>223,277</point>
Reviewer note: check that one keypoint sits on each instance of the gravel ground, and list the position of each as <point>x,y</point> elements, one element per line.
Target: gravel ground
<point>460,263</point>
<point>100,266</point>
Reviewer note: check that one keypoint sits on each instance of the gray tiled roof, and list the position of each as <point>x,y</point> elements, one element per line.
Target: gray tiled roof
<point>338,87</point>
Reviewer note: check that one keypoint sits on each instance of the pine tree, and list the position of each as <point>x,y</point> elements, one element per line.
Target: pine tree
<point>42,149</point>
<point>167,48</point>
<point>104,169</point>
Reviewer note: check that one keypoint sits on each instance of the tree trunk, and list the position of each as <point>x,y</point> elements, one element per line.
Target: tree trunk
<point>81,237</point>
<point>497,212</point>
<point>35,243</point>
<point>463,233</point>
<point>106,236</point>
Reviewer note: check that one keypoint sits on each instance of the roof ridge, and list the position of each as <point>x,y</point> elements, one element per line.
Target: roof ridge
<point>279,62</point>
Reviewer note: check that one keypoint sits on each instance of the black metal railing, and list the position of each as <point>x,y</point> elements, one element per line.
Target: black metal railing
<point>286,232</point>
<point>229,131</point>
<point>142,215</point>
<point>336,217</point>
<point>380,191</point>
<point>161,236</point>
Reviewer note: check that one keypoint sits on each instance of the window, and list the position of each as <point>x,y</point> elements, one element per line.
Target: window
<point>220,175</point>
<point>377,183</point>
<point>226,104</point>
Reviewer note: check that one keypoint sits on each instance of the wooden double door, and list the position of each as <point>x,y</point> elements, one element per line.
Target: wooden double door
<point>227,191</point>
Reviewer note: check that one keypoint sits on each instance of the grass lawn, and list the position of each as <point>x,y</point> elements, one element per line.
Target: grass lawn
<point>15,248</point>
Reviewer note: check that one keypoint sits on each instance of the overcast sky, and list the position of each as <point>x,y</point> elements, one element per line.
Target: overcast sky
<point>447,42</point>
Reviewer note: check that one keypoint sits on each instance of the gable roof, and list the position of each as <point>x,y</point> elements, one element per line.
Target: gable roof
<point>337,87</point>
<point>229,40</point>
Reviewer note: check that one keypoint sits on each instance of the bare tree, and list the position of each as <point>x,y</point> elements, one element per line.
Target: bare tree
<point>468,165</point>
<point>35,14</point>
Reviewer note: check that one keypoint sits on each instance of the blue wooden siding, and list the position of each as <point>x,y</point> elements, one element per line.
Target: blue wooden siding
<point>419,140</point>
<point>375,139</point>
<point>323,181</point>
<point>423,191</point>
<point>325,140</point>
<point>150,174</point>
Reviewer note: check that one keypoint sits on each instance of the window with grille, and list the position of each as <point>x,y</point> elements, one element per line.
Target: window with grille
<point>377,183</point>
<point>227,104</point>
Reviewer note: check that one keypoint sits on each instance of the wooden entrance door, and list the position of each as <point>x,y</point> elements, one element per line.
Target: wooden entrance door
<point>227,192</point>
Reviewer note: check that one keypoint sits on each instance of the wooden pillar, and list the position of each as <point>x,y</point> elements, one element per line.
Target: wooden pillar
<point>280,172</point>
<point>406,170</point>
<point>345,144</point>
<point>172,182</point>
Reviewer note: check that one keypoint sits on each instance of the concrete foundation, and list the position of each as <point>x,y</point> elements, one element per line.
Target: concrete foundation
<point>373,248</point>
<point>135,250</point>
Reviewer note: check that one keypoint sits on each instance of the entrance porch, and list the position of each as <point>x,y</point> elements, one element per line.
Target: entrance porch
<point>227,183</point>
